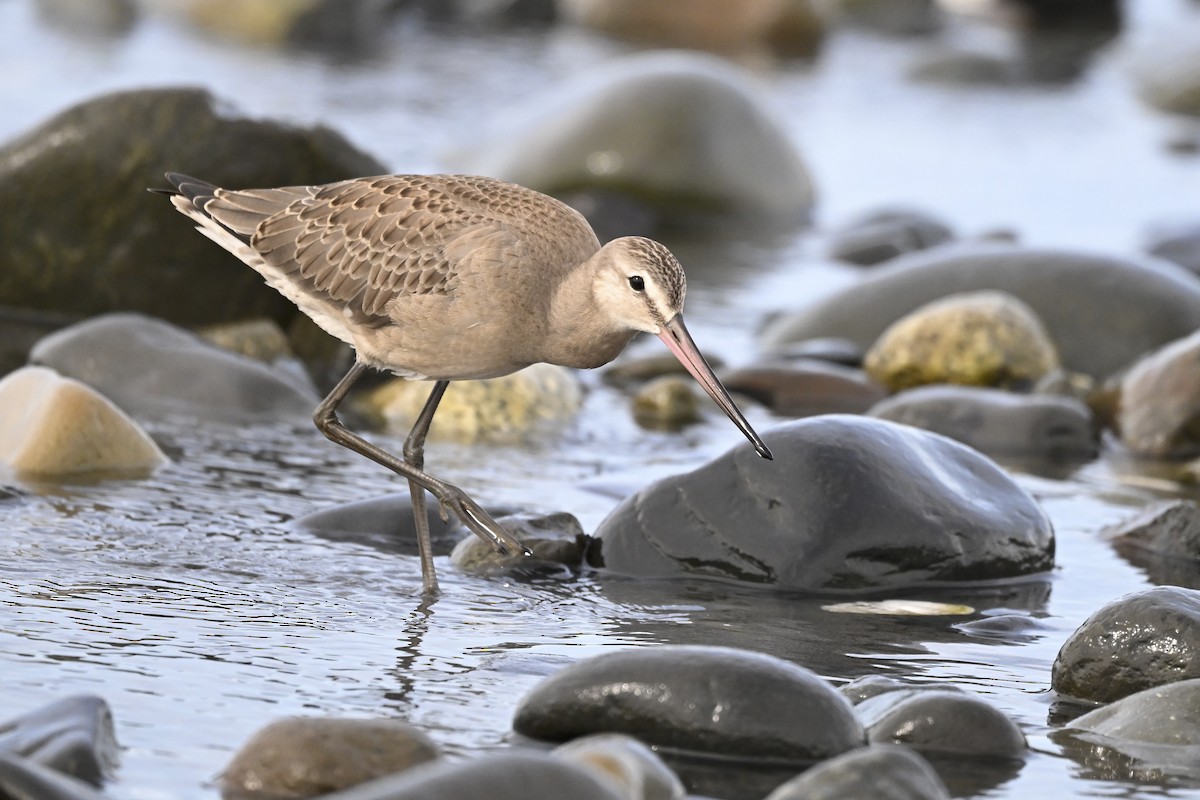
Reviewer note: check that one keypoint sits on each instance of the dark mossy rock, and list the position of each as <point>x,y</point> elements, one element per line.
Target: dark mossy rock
<point>707,701</point>
<point>1144,639</point>
<point>849,503</point>
<point>1101,312</point>
<point>878,772</point>
<point>82,235</point>
<point>73,736</point>
<point>996,422</point>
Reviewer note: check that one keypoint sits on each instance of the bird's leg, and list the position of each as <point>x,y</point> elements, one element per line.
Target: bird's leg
<point>472,515</point>
<point>414,454</point>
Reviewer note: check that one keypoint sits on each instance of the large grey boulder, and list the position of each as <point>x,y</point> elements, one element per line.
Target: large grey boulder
<point>849,503</point>
<point>1102,312</point>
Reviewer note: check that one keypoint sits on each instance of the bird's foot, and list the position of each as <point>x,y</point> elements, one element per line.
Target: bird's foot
<point>480,522</point>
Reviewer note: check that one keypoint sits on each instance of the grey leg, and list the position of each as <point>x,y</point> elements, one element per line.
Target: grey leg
<point>414,454</point>
<point>451,497</point>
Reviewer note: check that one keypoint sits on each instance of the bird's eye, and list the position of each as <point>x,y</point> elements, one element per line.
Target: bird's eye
<point>636,283</point>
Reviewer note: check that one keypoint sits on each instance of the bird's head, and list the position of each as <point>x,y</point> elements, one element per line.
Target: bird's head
<point>639,284</point>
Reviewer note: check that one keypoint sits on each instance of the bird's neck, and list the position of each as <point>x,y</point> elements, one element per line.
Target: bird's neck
<point>579,334</point>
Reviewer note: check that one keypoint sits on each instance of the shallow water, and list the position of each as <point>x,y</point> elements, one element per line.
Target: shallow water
<point>194,607</point>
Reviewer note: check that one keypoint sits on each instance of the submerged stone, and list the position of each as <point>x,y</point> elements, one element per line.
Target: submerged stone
<point>849,503</point>
<point>715,701</point>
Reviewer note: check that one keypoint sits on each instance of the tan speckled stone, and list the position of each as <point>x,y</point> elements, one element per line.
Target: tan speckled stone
<point>495,410</point>
<point>976,339</point>
<point>53,427</point>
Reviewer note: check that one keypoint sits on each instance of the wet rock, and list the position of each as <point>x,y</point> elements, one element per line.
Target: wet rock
<point>1060,383</point>
<point>20,330</point>
<point>1159,411</point>
<point>955,67</point>
<point>996,422</point>
<point>667,403</point>
<point>1167,715</point>
<point>636,769</point>
<point>680,696</point>
<point>352,27</point>
<point>152,369</point>
<point>1170,528</point>
<point>386,523</point>
<point>878,772</point>
<point>806,388</point>
<point>725,157</point>
<point>1138,305</point>
<point>260,339</point>
<point>935,721</point>
<point>1144,639</point>
<point>849,503</point>
<point>630,371</point>
<point>1167,74</point>
<point>868,686</point>
<point>977,339</point>
<point>90,18</point>
<point>557,541</point>
<point>512,776</point>
<point>894,17</point>
<point>832,349</point>
<point>61,255</point>
<point>54,427</point>
<point>720,26</point>
<point>73,736</point>
<point>885,234</point>
<point>1146,737</point>
<point>307,756</point>
<point>1179,244</point>
<point>22,778</point>
<point>1015,628</point>
<point>511,408</point>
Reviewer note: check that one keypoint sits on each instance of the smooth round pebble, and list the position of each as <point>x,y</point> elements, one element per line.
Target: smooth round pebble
<point>942,722</point>
<point>714,701</point>
<point>311,756</point>
<point>635,768</point>
<point>1144,639</point>
<point>877,772</point>
<point>1159,411</point>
